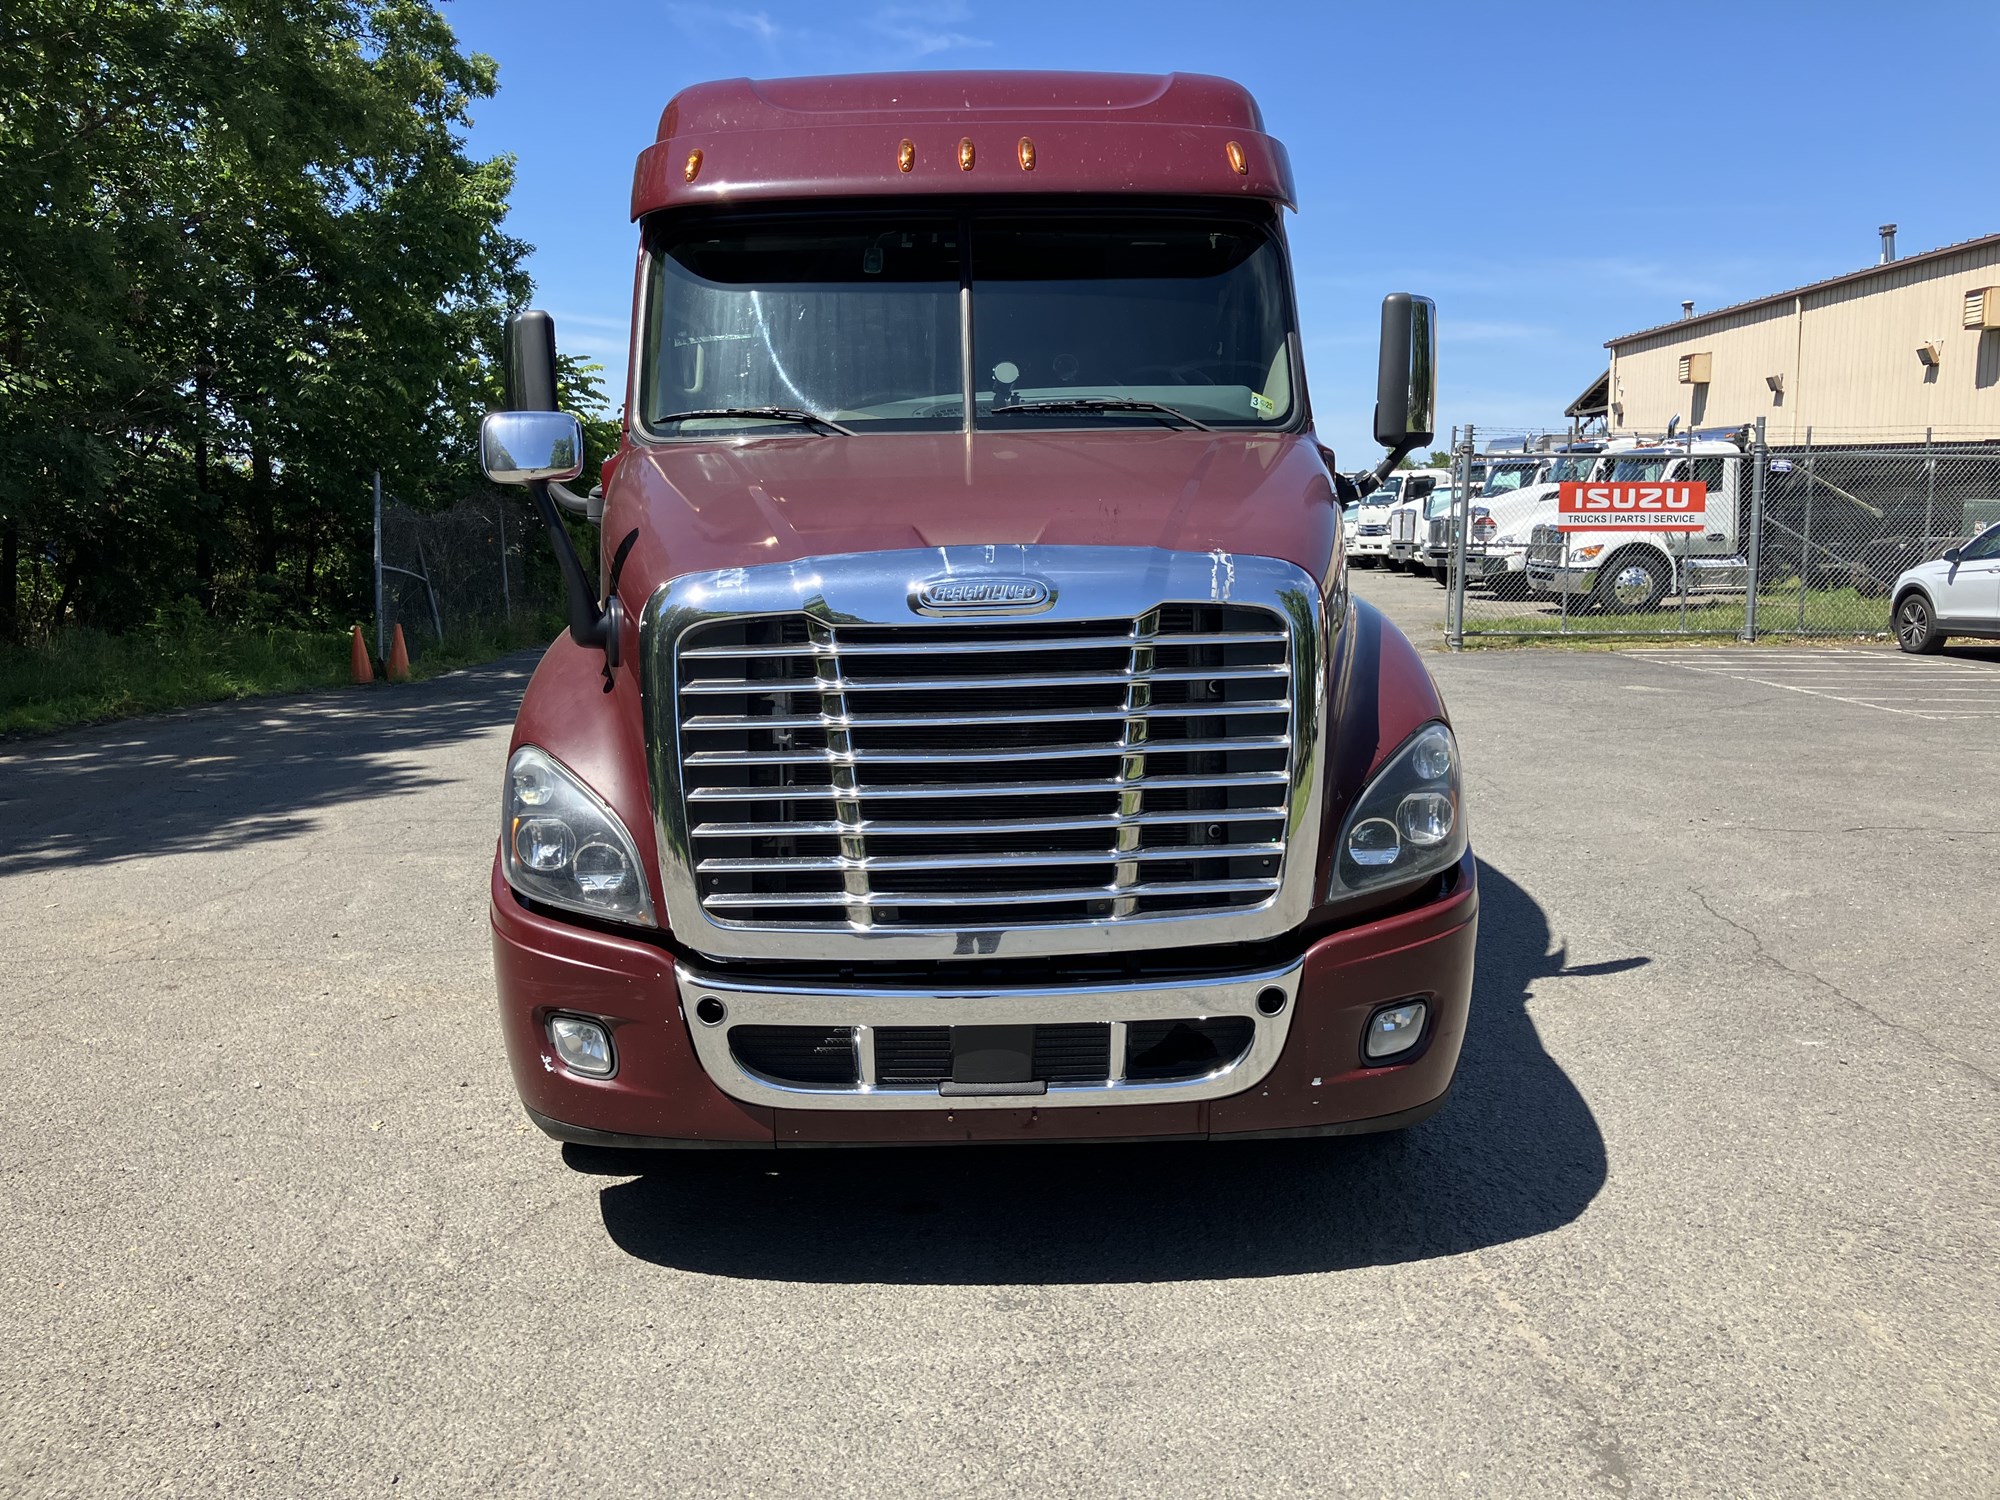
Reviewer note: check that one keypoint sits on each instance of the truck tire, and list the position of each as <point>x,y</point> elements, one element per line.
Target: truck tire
<point>1362,562</point>
<point>1418,569</point>
<point>1633,582</point>
<point>1916,625</point>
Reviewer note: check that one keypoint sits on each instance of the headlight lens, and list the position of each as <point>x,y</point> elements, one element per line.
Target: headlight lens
<point>559,843</point>
<point>1409,821</point>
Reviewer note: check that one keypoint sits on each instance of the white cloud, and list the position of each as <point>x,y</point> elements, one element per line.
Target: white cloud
<point>885,35</point>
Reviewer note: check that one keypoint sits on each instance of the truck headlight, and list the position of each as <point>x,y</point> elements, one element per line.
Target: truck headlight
<point>1410,819</point>
<point>561,844</point>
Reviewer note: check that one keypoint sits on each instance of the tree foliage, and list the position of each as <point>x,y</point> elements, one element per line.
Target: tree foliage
<point>245,260</point>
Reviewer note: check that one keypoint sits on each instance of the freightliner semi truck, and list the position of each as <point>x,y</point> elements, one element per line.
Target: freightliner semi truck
<point>972,736</point>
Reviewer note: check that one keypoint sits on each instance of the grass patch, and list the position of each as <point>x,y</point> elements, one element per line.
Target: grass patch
<point>87,676</point>
<point>1834,613</point>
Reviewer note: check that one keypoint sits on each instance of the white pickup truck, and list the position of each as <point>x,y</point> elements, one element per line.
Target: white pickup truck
<point>1623,571</point>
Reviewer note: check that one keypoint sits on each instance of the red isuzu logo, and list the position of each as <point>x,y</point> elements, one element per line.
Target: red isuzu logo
<point>1582,506</point>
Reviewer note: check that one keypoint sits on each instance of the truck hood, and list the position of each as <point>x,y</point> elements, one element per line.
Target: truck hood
<point>703,506</point>
<point>1515,514</point>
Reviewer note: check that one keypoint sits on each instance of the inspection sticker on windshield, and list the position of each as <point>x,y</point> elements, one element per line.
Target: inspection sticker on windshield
<point>1632,507</point>
<point>1262,404</point>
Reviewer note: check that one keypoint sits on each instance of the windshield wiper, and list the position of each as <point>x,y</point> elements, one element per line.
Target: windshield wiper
<point>804,418</point>
<point>1100,403</point>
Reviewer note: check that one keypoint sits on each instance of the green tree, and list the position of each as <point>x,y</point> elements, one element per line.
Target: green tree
<point>245,260</point>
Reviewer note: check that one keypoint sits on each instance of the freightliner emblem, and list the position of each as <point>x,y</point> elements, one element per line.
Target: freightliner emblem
<point>946,595</point>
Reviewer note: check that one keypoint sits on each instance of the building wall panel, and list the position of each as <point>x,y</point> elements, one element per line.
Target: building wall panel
<point>1848,356</point>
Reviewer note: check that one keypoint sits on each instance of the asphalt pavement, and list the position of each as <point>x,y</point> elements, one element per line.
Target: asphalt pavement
<point>1712,1209</point>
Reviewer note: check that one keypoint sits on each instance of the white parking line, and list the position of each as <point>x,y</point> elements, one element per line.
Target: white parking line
<point>1912,686</point>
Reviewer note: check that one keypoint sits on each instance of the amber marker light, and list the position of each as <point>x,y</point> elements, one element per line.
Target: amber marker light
<point>1238,160</point>
<point>693,168</point>
<point>906,156</point>
<point>1026,151</point>
<point>965,155</point>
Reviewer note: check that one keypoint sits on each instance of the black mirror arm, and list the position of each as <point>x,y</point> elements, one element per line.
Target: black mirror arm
<point>590,624</point>
<point>1370,480</point>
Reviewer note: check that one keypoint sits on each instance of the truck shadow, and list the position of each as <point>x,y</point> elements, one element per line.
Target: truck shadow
<point>1515,1153</point>
<point>227,775</point>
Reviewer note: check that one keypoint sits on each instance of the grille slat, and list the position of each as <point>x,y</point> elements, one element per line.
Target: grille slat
<point>1019,825</point>
<point>897,648</point>
<point>988,862</point>
<point>976,897</point>
<point>994,789</point>
<point>981,754</point>
<point>785,685</point>
<point>923,721</point>
<point>964,775</point>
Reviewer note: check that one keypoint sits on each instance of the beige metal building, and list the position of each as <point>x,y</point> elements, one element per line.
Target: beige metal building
<point>1876,356</point>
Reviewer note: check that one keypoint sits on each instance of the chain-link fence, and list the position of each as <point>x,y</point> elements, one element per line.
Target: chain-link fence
<point>475,568</point>
<point>1706,533</point>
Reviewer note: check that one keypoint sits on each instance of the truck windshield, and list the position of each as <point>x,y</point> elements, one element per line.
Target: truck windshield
<point>1505,477</point>
<point>1105,318</point>
<point>1571,470</point>
<point>1638,470</point>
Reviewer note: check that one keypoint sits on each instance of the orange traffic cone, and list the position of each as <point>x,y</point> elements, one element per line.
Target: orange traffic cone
<point>364,670</point>
<point>399,657</point>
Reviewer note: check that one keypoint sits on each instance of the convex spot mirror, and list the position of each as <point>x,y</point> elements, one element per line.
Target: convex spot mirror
<point>1406,377</point>
<point>521,447</point>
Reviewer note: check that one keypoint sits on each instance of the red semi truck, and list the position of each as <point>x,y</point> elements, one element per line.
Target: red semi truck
<point>974,738</point>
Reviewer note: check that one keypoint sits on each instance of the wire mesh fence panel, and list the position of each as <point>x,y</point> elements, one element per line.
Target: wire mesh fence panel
<point>459,571</point>
<point>1840,525</point>
<point>1700,534</point>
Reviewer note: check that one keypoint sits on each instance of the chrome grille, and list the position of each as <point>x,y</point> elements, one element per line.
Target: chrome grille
<point>1001,773</point>
<point>1545,545</point>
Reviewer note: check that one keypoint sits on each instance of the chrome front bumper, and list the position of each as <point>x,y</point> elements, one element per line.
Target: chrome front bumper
<point>868,1009</point>
<point>1544,579</point>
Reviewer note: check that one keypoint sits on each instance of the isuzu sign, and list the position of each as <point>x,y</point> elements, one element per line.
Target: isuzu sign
<point>1582,506</point>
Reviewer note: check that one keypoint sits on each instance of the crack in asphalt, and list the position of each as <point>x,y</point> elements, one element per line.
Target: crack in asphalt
<point>1763,954</point>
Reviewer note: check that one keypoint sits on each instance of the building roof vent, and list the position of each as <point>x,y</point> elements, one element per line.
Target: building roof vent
<point>1888,233</point>
<point>1687,308</point>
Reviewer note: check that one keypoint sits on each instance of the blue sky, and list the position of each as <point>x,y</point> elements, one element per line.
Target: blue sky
<point>1552,174</point>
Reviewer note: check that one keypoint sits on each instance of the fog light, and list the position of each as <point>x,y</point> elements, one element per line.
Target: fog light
<point>584,1046</point>
<point>1393,1029</point>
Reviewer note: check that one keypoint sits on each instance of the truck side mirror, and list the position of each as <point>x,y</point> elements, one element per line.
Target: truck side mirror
<point>521,447</point>
<point>1406,376</point>
<point>531,361</point>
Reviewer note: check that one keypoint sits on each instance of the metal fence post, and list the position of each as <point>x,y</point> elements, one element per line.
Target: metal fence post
<point>1759,459</point>
<point>1805,537</point>
<point>506,589</point>
<point>381,651</point>
<point>1461,505</point>
<point>1930,492</point>
<point>437,620</point>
